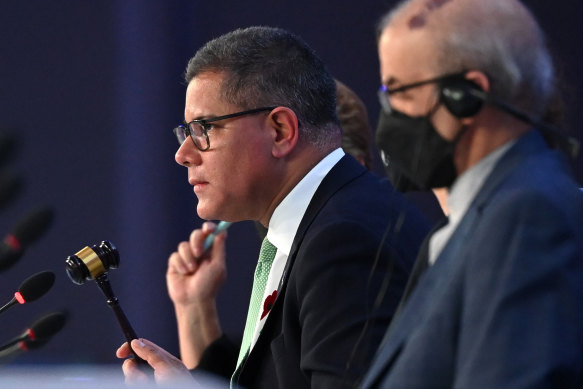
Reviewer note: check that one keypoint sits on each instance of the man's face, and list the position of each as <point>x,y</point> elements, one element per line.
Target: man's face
<point>408,56</point>
<point>231,179</point>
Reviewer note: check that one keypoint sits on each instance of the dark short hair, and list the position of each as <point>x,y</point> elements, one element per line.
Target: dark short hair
<point>266,66</point>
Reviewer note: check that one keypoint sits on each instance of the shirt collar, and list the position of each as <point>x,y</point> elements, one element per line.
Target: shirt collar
<point>289,213</point>
<point>467,186</point>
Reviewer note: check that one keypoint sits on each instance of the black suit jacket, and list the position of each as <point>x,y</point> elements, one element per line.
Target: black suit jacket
<point>323,328</point>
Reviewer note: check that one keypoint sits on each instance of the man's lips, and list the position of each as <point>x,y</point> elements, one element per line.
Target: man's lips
<point>198,184</point>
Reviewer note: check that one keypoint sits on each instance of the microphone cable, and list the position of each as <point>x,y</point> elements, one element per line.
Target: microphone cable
<point>391,232</point>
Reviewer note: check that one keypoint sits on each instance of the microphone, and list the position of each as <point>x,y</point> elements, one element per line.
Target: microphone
<point>23,234</point>
<point>10,185</point>
<point>33,288</point>
<point>39,333</point>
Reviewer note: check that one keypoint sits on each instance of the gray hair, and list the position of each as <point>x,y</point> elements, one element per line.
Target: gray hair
<point>265,66</point>
<point>498,37</point>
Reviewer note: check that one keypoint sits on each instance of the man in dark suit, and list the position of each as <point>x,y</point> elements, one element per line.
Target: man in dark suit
<point>265,145</point>
<point>499,305</point>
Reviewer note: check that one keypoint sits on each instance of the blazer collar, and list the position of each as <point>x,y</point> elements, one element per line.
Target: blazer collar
<point>346,170</point>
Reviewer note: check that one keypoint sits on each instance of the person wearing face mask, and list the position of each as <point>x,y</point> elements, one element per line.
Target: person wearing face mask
<point>496,298</point>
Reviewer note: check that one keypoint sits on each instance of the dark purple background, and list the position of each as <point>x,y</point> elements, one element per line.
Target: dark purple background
<point>92,89</point>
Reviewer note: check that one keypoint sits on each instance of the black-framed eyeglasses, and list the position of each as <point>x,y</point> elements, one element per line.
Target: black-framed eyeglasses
<point>384,93</point>
<point>198,129</point>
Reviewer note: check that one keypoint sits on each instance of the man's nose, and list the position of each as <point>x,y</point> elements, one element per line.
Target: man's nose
<point>187,154</point>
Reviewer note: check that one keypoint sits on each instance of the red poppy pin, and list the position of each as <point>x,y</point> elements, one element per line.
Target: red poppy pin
<point>268,303</point>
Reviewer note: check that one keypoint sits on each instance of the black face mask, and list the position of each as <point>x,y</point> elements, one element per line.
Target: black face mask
<point>411,147</point>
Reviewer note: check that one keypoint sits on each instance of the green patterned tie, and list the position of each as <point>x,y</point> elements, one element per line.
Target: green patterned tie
<point>266,256</point>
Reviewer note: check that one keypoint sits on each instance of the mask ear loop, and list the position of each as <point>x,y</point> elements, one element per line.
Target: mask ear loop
<point>420,145</point>
<point>399,176</point>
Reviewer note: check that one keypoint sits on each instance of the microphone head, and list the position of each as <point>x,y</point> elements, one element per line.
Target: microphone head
<point>47,326</point>
<point>28,230</point>
<point>33,226</point>
<point>10,186</point>
<point>35,287</point>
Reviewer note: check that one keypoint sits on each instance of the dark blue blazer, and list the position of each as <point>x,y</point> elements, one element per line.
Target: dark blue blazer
<point>502,307</point>
<point>323,330</point>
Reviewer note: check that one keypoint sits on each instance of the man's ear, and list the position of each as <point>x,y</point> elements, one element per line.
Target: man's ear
<point>285,125</point>
<point>480,79</point>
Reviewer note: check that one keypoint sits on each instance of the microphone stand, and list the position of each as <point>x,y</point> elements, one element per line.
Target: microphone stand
<point>8,304</point>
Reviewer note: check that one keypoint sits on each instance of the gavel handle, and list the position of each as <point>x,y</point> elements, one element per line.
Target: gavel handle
<point>124,323</point>
<point>126,328</point>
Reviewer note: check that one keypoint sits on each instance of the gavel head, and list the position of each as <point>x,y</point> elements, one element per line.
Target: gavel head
<point>91,262</point>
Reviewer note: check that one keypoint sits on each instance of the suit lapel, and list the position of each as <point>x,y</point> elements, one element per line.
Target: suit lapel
<point>421,264</point>
<point>345,171</point>
<point>431,282</point>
